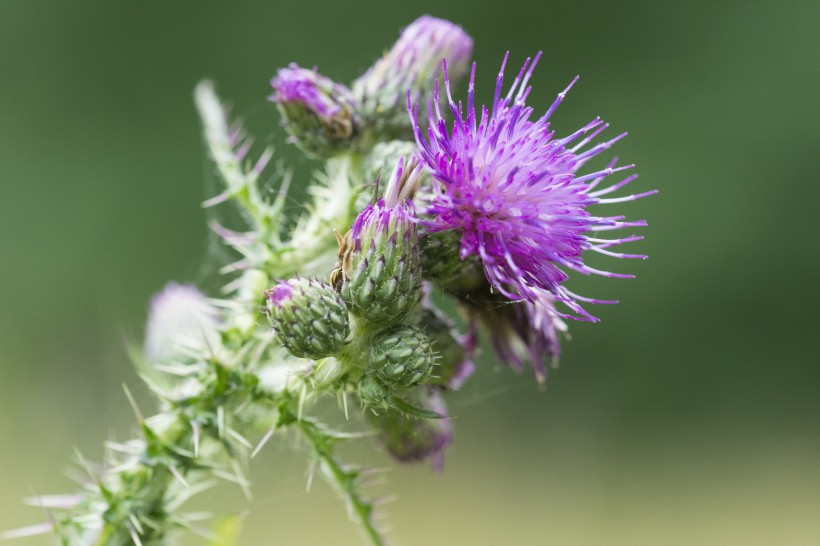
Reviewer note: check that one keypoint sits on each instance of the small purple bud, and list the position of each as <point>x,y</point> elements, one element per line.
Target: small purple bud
<point>296,84</point>
<point>318,113</point>
<point>382,276</point>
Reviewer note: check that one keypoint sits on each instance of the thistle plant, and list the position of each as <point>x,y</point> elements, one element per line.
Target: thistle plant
<point>466,215</point>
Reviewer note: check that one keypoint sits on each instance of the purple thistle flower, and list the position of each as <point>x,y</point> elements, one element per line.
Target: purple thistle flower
<point>392,214</point>
<point>416,56</point>
<point>514,192</point>
<point>379,256</point>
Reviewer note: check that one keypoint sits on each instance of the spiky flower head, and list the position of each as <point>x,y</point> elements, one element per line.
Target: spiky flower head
<point>411,439</point>
<point>402,357</point>
<point>309,317</point>
<point>318,113</point>
<point>514,192</point>
<point>412,64</point>
<point>379,256</point>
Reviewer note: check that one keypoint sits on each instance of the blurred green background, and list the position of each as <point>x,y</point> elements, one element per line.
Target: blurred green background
<point>690,415</point>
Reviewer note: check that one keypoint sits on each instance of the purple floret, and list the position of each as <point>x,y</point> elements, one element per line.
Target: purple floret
<point>515,193</point>
<point>280,294</point>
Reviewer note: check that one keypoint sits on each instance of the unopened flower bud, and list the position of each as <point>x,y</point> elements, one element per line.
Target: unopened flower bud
<point>402,357</point>
<point>309,317</point>
<point>411,439</point>
<point>379,257</point>
<point>412,65</point>
<point>318,113</point>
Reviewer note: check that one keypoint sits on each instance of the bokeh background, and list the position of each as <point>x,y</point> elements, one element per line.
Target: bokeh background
<point>689,416</point>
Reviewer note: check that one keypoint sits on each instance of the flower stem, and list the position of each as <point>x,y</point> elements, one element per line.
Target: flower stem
<point>345,479</point>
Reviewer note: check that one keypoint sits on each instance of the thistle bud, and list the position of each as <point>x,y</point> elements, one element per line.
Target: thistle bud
<point>318,113</point>
<point>402,357</point>
<point>412,65</point>
<point>309,317</point>
<point>410,439</point>
<point>379,257</point>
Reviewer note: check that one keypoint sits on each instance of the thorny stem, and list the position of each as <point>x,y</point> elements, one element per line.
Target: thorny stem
<point>134,502</point>
<point>344,479</point>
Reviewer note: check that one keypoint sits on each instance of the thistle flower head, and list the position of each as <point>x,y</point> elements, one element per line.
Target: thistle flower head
<point>514,191</point>
<point>379,257</point>
<point>412,64</point>
<point>308,316</point>
<point>402,357</point>
<point>318,113</point>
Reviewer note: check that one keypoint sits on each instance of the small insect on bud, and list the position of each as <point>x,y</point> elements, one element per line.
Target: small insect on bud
<point>309,317</point>
<point>402,357</point>
<point>379,276</point>
<point>318,113</point>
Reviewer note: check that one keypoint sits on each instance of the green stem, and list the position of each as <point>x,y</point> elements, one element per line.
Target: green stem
<point>344,479</point>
